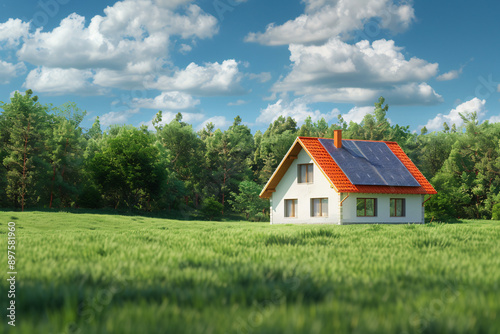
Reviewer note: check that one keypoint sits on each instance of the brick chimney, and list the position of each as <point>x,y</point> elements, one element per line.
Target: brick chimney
<point>337,138</point>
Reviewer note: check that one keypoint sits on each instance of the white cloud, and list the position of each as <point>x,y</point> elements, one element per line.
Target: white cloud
<point>237,103</point>
<point>117,117</point>
<point>359,73</point>
<point>338,64</point>
<point>297,109</point>
<point>124,47</point>
<point>219,122</point>
<point>209,79</point>
<point>167,100</point>
<point>451,75</point>
<point>412,94</point>
<point>324,19</point>
<point>185,48</point>
<point>12,31</point>
<point>495,119</point>
<point>58,81</point>
<point>131,31</point>
<point>169,116</point>
<point>498,88</point>
<point>453,117</point>
<point>357,114</point>
<point>9,71</point>
<point>133,76</point>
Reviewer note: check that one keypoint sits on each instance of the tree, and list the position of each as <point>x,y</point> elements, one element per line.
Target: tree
<point>23,122</point>
<point>229,157</point>
<point>128,169</point>
<point>469,181</point>
<point>64,147</point>
<point>184,154</point>
<point>274,144</point>
<point>247,201</point>
<point>95,131</point>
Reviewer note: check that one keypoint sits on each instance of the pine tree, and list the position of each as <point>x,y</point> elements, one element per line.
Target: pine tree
<point>26,119</point>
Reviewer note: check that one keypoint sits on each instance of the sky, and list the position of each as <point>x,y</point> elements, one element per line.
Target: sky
<point>212,60</point>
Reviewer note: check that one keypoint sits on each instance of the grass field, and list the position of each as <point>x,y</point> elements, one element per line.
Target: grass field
<point>83,273</point>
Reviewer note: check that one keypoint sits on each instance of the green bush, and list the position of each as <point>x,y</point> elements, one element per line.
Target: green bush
<point>496,212</point>
<point>211,209</point>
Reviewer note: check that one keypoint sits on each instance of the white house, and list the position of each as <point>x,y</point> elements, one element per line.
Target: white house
<point>337,181</point>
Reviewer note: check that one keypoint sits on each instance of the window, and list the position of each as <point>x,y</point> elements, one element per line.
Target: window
<point>319,207</point>
<point>366,207</point>
<point>398,207</point>
<point>291,208</point>
<point>305,173</point>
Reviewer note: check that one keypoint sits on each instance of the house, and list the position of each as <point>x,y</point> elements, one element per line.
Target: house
<point>337,181</point>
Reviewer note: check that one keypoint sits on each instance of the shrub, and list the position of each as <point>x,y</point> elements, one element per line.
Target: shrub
<point>211,209</point>
<point>496,212</point>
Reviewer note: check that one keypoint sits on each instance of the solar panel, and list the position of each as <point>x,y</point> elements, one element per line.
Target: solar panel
<point>369,163</point>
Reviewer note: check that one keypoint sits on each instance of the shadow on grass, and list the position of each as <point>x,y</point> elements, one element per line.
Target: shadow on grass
<point>186,214</point>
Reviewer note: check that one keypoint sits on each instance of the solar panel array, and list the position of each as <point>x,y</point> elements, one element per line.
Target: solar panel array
<point>369,163</point>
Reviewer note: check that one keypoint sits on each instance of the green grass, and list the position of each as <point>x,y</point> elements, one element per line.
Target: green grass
<point>84,273</point>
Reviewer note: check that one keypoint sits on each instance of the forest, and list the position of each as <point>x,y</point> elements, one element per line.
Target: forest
<point>48,161</point>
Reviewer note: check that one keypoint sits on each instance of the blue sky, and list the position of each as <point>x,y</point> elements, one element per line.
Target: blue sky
<point>215,59</point>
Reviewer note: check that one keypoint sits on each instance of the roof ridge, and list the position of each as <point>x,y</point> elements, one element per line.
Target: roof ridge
<point>367,140</point>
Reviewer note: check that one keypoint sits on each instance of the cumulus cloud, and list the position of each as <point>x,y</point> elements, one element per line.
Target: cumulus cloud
<point>131,31</point>
<point>9,71</point>
<point>338,64</point>
<point>169,116</point>
<point>219,122</point>
<point>453,117</point>
<point>167,100</point>
<point>185,48</point>
<point>495,119</point>
<point>117,117</point>
<point>124,47</point>
<point>57,81</point>
<point>357,114</point>
<point>359,73</point>
<point>324,19</point>
<point>12,31</point>
<point>451,75</point>
<point>412,94</point>
<point>297,109</point>
<point>209,79</point>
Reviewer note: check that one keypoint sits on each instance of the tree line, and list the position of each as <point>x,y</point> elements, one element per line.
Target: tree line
<point>49,161</point>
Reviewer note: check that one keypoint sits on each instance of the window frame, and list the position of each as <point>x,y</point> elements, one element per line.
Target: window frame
<point>299,173</point>
<point>321,204</point>
<point>375,211</point>
<point>394,213</point>
<point>294,208</point>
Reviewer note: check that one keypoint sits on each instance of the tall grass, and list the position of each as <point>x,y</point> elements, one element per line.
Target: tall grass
<point>124,274</point>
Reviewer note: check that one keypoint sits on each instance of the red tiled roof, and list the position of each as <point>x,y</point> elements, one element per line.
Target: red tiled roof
<point>342,184</point>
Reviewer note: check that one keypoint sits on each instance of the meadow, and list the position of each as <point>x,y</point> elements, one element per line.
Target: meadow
<point>91,273</point>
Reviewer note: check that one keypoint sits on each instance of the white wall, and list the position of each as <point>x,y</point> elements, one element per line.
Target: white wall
<point>288,188</point>
<point>414,212</point>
